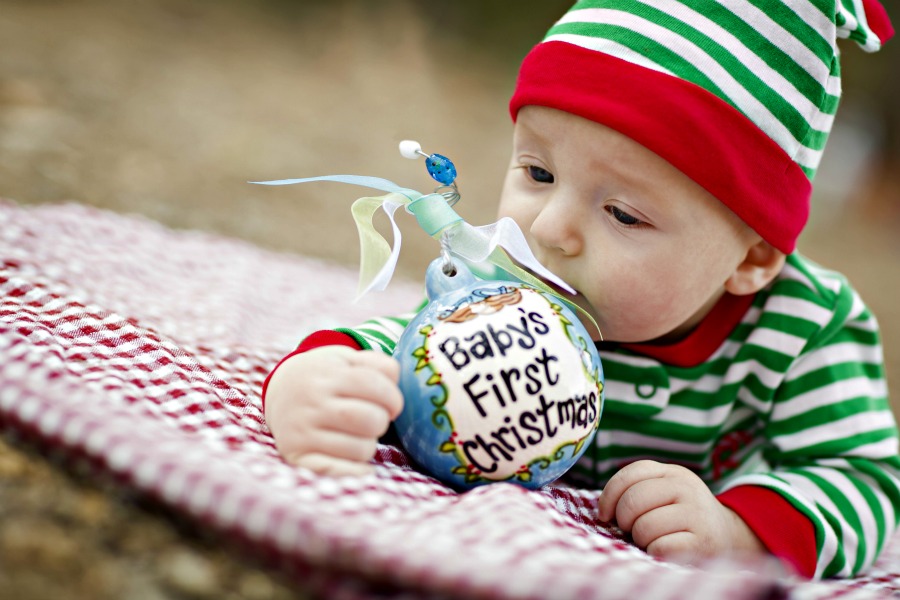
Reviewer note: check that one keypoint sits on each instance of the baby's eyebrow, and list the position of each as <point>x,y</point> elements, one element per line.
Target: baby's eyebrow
<point>523,128</point>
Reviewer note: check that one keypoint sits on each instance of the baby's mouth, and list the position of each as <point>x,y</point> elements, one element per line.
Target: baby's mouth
<point>578,300</point>
<point>571,295</point>
<point>562,293</point>
<point>549,278</point>
<point>557,289</point>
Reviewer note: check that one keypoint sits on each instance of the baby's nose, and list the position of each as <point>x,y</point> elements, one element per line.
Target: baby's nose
<point>557,227</point>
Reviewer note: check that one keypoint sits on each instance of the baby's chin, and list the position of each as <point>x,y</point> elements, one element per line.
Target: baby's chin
<point>631,334</point>
<point>608,327</point>
<point>621,328</point>
<point>625,329</point>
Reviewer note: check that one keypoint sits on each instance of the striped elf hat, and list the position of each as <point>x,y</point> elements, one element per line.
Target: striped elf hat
<point>739,95</point>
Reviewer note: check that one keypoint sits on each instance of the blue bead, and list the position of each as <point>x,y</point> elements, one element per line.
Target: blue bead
<point>441,169</point>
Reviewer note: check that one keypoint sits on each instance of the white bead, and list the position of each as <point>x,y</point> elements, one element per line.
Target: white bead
<point>410,149</point>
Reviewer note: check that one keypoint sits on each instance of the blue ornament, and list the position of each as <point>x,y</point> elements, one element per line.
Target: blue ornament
<point>441,169</point>
<point>501,382</point>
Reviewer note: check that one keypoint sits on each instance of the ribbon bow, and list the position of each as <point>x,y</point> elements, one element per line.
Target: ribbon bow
<point>498,243</point>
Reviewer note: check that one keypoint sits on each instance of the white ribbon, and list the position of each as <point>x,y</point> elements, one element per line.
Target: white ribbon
<point>477,245</point>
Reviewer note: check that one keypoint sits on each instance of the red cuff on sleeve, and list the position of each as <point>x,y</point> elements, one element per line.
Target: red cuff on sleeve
<point>326,337</point>
<point>786,532</point>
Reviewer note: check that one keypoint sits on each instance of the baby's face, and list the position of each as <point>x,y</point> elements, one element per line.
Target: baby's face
<point>648,250</point>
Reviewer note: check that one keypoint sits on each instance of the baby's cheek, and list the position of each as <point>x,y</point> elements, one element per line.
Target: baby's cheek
<point>518,209</point>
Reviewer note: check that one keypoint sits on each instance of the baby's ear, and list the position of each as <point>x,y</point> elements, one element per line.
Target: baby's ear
<point>761,265</point>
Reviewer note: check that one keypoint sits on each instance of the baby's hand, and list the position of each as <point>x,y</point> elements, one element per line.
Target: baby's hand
<point>673,515</point>
<point>327,408</point>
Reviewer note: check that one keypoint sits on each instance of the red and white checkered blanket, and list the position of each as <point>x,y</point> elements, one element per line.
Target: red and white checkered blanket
<point>143,350</point>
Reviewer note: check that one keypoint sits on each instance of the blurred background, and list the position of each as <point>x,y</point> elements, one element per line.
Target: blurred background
<point>166,108</point>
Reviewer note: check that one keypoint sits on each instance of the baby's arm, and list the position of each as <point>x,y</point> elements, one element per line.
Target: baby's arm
<point>327,407</point>
<point>671,513</point>
<point>831,495</point>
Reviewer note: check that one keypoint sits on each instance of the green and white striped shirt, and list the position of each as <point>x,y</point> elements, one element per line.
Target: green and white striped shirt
<point>794,400</point>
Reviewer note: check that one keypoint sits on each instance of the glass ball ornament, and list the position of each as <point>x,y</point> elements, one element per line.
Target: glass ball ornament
<point>501,382</point>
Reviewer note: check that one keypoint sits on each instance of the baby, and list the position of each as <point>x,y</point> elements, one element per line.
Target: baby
<point>662,163</point>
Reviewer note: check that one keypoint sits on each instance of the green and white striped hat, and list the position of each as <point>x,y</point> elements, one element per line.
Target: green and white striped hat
<point>739,95</point>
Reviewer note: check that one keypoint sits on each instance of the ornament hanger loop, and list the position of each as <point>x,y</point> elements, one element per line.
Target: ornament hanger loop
<point>449,192</point>
<point>447,267</point>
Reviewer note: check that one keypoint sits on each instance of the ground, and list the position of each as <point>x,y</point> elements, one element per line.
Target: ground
<point>166,108</point>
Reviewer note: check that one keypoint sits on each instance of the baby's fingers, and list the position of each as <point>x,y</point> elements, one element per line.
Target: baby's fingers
<point>378,361</point>
<point>678,546</point>
<point>333,467</point>
<point>371,384</point>
<point>360,418</point>
<point>332,444</point>
<point>660,522</point>
<point>621,482</point>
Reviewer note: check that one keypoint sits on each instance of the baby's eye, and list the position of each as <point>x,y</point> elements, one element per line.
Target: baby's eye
<point>540,175</point>
<point>623,217</point>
